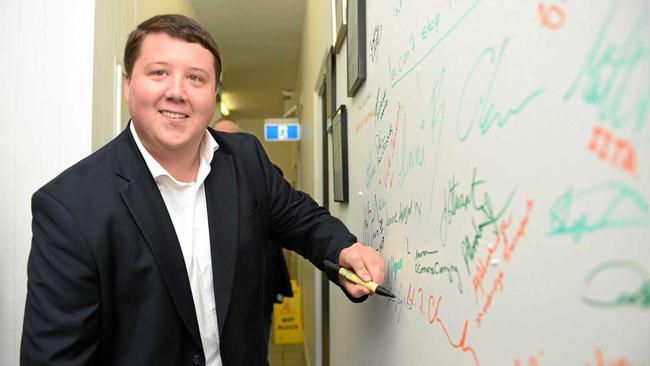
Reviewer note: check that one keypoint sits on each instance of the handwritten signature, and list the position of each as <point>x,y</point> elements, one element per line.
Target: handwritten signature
<point>640,297</point>
<point>457,201</point>
<point>486,113</point>
<point>573,212</point>
<point>608,75</point>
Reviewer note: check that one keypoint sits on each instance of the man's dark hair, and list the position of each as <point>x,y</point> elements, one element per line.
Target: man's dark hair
<point>177,26</point>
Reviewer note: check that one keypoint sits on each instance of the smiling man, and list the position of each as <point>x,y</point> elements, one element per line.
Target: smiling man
<point>151,251</point>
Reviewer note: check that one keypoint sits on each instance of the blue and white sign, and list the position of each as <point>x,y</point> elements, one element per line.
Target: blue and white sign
<point>281,129</point>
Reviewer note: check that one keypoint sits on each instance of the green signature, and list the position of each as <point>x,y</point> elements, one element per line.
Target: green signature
<point>611,73</point>
<point>456,201</point>
<point>641,297</point>
<point>575,213</point>
<point>437,107</point>
<point>470,247</point>
<point>408,158</point>
<point>486,113</point>
<point>392,72</point>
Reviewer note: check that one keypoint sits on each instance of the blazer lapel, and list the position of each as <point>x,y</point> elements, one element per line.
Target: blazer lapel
<point>146,205</point>
<point>221,197</point>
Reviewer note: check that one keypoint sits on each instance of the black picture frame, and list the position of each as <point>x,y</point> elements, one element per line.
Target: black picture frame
<point>330,80</point>
<point>356,45</point>
<point>340,154</point>
<point>339,24</point>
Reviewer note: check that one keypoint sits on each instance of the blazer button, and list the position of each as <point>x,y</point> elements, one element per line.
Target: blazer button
<point>196,359</point>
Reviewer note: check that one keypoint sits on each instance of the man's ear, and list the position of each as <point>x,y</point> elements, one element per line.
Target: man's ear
<point>126,83</point>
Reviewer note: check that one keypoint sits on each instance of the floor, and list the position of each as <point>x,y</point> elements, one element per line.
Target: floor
<point>286,355</point>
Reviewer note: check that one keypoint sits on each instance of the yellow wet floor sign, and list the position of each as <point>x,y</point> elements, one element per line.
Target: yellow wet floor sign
<point>287,318</point>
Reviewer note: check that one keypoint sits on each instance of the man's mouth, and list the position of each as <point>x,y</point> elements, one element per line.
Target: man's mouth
<point>173,115</point>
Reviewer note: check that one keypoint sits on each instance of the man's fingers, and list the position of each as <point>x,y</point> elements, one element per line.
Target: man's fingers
<point>352,258</point>
<point>353,289</point>
<point>359,268</point>
<point>366,263</point>
<point>374,263</point>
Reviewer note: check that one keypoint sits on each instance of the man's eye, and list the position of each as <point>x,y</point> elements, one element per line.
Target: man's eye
<point>195,77</point>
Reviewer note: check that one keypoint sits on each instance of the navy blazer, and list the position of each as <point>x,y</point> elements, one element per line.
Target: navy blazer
<point>107,283</point>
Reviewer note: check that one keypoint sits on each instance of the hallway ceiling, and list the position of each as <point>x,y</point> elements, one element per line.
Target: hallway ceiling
<point>260,45</point>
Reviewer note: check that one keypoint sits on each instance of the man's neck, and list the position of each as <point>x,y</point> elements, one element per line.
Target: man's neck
<point>183,167</point>
<point>181,163</point>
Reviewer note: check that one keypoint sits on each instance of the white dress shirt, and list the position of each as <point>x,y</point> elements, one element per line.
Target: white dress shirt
<point>186,205</point>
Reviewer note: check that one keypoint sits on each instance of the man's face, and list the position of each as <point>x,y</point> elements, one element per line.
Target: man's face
<point>171,94</point>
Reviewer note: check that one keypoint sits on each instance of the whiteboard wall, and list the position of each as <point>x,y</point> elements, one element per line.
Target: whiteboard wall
<point>499,161</point>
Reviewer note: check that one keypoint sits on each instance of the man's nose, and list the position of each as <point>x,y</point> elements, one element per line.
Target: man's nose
<point>176,88</point>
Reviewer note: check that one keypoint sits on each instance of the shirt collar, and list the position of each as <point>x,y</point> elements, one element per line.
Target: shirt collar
<point>206,152</point>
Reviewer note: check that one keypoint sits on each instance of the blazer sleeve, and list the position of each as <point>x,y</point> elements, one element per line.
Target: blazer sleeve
<point>301,225</point>
<point>62,311</point>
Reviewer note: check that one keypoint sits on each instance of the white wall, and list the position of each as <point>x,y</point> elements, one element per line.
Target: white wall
<point>46,73</point>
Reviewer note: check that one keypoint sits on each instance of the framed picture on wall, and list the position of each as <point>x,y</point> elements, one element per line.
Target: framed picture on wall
<point>356,17</point>
<point>330,81</point>
<point>339,23</point>
<point>340,154</point>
